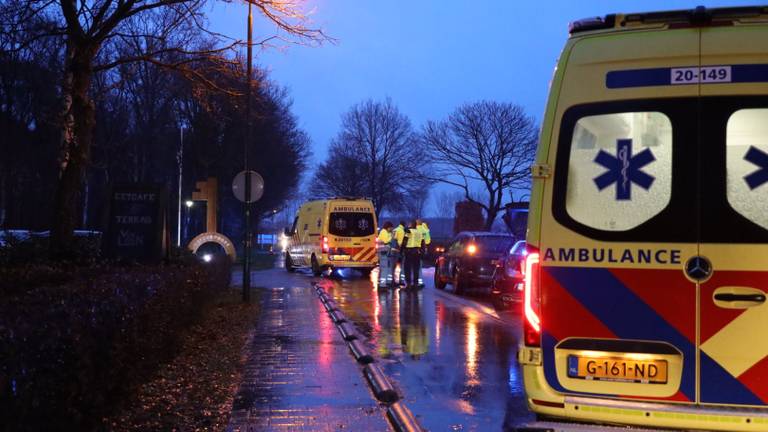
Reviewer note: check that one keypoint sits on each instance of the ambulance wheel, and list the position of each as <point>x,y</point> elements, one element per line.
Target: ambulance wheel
<point>289,264</point>
<point>439,284</point>
<point>316,270</point>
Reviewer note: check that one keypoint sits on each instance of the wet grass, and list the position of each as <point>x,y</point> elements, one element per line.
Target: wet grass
<point>195,390</point>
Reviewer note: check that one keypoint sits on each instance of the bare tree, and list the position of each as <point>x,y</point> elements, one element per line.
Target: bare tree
<point>375,154</point>
<point>416,203</point>
<point>490,143</point>
<point>162,32</point>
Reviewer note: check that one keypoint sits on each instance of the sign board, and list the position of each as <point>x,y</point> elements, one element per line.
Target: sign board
<point>214,237</point>
<point>136,223</point>
<point>257,186</point>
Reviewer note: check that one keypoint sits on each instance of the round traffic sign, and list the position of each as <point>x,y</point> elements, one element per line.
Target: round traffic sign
<point>257,186</point>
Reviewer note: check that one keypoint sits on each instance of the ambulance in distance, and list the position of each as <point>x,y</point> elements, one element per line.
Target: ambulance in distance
<point>647,267</point>
<point>333,233</point>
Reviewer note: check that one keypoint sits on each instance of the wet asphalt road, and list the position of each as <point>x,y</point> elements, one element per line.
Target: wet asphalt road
<point>452,357</point>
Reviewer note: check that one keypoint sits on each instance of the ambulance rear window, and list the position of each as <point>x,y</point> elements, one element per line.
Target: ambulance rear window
<point>747,164</point>
<point>619,169</point>
<point>351,224</point>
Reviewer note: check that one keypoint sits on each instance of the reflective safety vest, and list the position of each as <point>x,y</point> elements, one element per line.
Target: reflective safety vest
<point>414,238</point>
<point>385,237</point>
<point>425,233</point>
<point>399,234</point>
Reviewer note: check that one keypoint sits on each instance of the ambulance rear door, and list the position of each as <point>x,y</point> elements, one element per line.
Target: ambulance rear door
<point>620,220</point>
<point>734,208</point>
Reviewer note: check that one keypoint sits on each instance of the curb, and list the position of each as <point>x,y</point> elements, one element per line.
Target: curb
<point>347,331</point>
<point>359,351</point>
<point>330,305</point>
<point>337,316</point>
<point>402,419</point>
<point>380,384</point>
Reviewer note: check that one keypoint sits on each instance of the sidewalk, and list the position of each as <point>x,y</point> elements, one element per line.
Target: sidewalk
<point>299,374</point>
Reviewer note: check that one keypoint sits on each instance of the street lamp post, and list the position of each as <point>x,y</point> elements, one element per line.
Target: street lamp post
<point>180,160</point>
<point>247,243</point>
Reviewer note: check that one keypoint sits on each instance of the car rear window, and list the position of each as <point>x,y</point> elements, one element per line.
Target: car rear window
<point>350,224</point>
<point>494,244</point>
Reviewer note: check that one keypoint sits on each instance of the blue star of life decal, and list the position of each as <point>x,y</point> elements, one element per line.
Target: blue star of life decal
<point>759,158</point>
<point>624,169</point>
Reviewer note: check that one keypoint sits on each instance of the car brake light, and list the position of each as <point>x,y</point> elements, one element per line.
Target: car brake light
<point>325,244</point>
<point>471,249</point>
<point>532,302</point>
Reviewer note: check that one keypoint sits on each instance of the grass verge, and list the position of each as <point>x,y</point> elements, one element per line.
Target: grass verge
<point>194,391</point>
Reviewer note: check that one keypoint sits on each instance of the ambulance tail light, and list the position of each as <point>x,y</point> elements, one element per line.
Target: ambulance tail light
<point>532,299</point>
<point>324,240</point>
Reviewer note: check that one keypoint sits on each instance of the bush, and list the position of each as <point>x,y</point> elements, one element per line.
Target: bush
<point>75,342</point>
<point>24,247</point>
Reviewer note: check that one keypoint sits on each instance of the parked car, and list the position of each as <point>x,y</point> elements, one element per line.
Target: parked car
<point>471,259</point>
<point>508,279</point>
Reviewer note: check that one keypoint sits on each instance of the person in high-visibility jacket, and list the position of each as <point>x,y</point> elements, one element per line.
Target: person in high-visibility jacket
<point>426,240</point>
<point>413,246</point>
<point>399,233</point>
<point>386,255</point>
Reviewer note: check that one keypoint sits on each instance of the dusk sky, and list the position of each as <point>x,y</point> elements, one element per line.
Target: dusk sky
<point>429,56</point>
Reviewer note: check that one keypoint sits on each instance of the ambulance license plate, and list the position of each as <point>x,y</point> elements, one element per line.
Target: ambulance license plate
<point>617,369</point>
<point>339,257</point>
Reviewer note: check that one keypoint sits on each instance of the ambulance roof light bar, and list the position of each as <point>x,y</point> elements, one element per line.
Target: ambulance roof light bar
<point>592,23</point>
<point>700,16</point>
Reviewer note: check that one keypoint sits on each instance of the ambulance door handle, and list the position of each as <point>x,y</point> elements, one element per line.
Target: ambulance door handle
<point>738,297</point>
<point>759,298</point>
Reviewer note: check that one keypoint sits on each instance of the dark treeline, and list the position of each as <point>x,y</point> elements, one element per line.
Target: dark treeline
<point>96,92</point>
<point>141,109</point>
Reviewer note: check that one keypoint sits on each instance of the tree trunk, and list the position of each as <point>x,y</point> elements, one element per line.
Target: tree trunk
<point>78,115</point>
<point>490,218</point>
<point>494,203</point>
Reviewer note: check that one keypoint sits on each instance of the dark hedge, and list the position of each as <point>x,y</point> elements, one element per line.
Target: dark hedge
<point>74,342</point>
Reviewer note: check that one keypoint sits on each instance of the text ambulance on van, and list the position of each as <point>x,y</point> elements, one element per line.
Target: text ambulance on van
<point>333,233</point>
<point>647,273</point>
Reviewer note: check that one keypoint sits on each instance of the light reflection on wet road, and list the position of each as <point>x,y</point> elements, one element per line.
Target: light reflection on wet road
<point>452,357</point>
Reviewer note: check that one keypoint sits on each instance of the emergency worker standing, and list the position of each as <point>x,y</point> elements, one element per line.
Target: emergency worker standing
<point>426,239</point>
<point>386,255</point>
<point>412,242</point>
<point>399,233</point>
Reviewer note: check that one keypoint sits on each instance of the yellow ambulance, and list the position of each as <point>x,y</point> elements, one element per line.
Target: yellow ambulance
<point>647,266</point>
<point>333,233</point>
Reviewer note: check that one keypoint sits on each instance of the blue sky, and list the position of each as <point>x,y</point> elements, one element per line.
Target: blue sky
<point>429,56</point>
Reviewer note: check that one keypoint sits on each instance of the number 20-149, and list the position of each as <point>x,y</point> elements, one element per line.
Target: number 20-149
<point>707,74</point>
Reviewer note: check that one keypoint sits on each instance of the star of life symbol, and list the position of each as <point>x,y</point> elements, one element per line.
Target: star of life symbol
<point>624,169</point>
<point>759,158</point>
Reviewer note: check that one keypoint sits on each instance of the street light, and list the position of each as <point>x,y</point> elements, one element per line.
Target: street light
<point>246,143</point>
<point>180,163</point>
<point>189,203</point>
